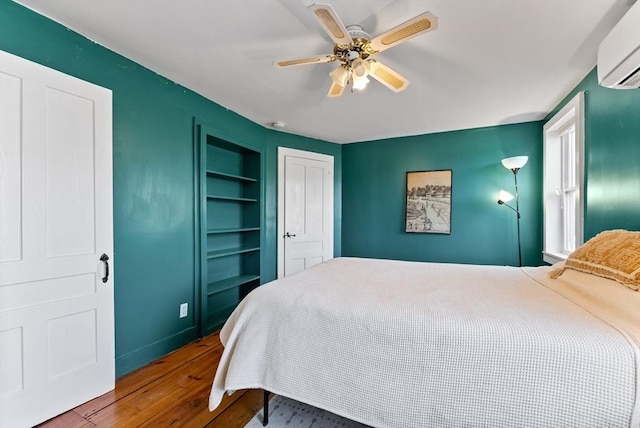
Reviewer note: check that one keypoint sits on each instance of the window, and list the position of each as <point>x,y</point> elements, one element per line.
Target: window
<point>563,181</point>
<point>568,190</point>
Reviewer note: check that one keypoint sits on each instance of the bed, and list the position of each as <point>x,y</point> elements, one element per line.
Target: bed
<point>409,344</point>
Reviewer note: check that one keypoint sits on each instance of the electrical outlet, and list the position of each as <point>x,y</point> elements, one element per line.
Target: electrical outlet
<point>184,310</point>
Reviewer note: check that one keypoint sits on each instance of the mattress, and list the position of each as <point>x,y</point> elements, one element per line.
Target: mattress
<point>408,344</point>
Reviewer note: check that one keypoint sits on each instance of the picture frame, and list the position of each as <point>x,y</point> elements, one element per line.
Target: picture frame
<point>428,201</point>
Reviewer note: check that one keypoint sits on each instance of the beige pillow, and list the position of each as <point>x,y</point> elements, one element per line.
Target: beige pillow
<point>613,254</point>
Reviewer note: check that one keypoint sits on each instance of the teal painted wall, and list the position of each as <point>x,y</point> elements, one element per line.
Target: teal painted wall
<point>483,232</point>
<point>612,156</point>
<point>153,180</point>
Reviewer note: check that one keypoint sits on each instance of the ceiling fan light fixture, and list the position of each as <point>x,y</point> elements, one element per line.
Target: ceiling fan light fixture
<point>360,69</point>
<point>340,76</point>
<point>359,83</point>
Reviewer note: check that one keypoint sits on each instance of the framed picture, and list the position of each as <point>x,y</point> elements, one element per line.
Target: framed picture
<point>428,208</point>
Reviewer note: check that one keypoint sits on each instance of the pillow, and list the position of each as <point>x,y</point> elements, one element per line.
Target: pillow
<point>613,254</point>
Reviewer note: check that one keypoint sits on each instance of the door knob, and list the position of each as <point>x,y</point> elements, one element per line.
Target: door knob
<point>287,235</point>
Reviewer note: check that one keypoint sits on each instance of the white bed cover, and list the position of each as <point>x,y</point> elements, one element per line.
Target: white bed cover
<point>408,344</point>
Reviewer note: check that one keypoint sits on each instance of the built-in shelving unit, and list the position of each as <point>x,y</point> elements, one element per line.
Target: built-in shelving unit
<point>230,225</point>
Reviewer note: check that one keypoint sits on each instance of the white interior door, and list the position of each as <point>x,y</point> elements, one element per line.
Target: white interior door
<point>56,313</point>
<point>305,210</point>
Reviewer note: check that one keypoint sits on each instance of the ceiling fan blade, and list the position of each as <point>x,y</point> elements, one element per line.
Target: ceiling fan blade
<point>387,76</point>
<point>335,90</point>
<point>414,27</point>
<point>328,19</point>
<point>304,61</point>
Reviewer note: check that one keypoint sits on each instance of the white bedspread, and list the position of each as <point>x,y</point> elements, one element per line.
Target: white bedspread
<point>405,344</point>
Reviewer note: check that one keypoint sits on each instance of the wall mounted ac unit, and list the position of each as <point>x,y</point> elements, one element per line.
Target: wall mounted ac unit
<point>619,53</point>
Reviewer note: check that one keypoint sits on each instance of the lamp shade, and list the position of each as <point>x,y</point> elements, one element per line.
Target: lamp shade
<point>360,68</point>
<point>340,76</point>
<point>360,83</point>
<point>359,71</point>
<point>504,196</point>
<point>515,162</point>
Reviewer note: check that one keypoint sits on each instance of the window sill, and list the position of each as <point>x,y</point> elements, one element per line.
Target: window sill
<point>553,258</point>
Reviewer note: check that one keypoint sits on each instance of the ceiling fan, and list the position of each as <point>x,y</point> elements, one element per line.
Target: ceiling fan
<point>354,48</point>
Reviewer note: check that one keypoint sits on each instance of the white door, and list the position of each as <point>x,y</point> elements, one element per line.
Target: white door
<point>56,313</point>
<point>305,210</point>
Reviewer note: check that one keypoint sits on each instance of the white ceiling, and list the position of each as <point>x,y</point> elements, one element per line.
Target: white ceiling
<point>490,62</point>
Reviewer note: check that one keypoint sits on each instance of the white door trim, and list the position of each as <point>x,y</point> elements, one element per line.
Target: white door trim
<point>282,153</point>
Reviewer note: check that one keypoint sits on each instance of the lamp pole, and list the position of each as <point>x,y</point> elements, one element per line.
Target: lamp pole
<point>515,177</point>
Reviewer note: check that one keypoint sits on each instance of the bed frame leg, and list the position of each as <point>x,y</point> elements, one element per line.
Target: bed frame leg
<point>265,409</point>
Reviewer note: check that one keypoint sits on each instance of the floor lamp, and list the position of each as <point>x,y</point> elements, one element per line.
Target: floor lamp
<point>514,164</point>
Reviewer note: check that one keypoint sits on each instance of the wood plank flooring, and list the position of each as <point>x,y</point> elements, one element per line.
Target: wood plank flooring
<point>172,391</point>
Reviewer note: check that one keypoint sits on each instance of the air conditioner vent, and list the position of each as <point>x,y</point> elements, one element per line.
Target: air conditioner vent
<point>632,80</point>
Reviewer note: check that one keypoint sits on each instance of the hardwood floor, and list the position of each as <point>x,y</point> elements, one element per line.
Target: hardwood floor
<point>172,391</point>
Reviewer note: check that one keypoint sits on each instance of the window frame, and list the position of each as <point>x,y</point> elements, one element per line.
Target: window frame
<point>553,229</point>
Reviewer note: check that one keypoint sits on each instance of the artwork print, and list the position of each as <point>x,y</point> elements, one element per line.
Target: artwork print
<point>428,208</point>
